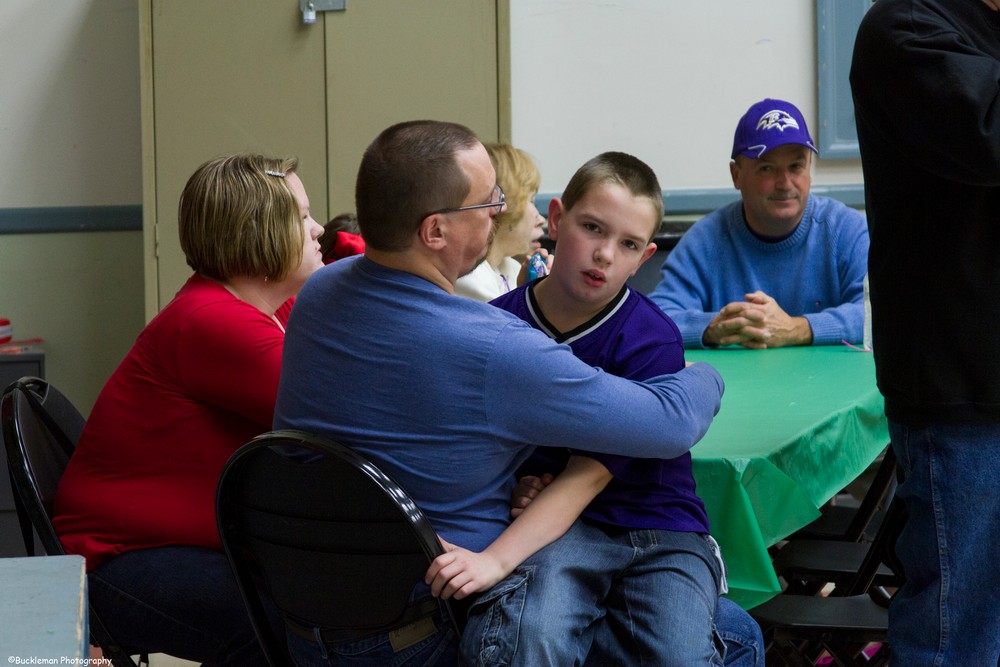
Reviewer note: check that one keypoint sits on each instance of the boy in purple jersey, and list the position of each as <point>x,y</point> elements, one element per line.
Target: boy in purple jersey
<point>638,576</point>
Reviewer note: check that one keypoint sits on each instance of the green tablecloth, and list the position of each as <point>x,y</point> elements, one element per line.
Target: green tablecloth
<point>796,425</point>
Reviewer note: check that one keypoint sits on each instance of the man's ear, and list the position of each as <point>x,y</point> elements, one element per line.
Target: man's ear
<point>556,211</point>
<point>734,173</point>
<point>433,231</point>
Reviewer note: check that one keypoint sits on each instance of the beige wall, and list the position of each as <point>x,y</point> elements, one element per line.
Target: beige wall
<point>83,294</point>
<point>666,81</point>
<point>69,108</point>
<point>69,137</point>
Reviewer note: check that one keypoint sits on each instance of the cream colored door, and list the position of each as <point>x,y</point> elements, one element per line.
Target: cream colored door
<point>220,76</point>
<point>396,60</point>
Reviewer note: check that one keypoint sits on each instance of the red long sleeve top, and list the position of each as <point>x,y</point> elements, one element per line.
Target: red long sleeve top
<point>200,381</point>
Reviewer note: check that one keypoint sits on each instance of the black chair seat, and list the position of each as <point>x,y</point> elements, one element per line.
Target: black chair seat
<point>800,629</point>
<point>812,617</point>
<point>827,561</point>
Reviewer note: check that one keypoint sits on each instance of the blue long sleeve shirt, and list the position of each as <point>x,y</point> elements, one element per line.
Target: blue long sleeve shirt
<point>449,395</point>
<point>817,272</point>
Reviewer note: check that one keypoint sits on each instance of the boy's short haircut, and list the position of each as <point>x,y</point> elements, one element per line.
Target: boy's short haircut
<point>518,175</point>
<point>614,167</point>
<point>409,170</point>
<point>238,217</point>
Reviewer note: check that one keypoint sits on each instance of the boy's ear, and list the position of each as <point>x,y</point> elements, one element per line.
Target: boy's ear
<point>556,211</point>
<point>646,254</point>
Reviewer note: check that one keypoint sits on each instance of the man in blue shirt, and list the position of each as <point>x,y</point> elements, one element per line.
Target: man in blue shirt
<point>449,395</point>
<point>780,266</point>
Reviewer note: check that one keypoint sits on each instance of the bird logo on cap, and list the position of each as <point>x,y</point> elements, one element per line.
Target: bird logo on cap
<point>776,119</point>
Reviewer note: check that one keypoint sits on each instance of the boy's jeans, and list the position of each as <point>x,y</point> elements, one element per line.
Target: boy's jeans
<point>663,591</point>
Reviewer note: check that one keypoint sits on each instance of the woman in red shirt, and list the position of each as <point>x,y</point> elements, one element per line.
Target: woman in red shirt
<point>138,497</point>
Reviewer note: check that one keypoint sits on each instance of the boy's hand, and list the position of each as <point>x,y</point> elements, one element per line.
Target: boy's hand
<point>525,491</point>
<point>459,572</point>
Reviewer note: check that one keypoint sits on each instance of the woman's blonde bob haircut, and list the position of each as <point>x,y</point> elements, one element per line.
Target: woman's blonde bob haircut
<point>519,178</point>
<point>238,217</point>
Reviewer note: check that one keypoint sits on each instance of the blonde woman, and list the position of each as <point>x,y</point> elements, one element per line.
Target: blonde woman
<point>518,229</point>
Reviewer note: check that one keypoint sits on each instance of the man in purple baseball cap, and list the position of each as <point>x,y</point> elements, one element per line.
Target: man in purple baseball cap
<point>767,125</point>
<point>779,266</point>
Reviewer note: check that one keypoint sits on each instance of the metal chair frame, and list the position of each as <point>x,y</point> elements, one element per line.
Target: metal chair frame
<point>314,528</point>
<point>798,628</point>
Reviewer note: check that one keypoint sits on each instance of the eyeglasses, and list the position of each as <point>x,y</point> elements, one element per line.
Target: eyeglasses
<point>499,204</point>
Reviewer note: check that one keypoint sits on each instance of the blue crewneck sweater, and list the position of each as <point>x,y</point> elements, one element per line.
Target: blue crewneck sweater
<point>817,272</point>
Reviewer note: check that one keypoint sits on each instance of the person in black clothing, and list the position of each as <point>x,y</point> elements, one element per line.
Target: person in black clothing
<point>926,85</point>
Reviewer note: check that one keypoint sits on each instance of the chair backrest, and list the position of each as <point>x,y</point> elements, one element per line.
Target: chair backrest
<point>40,430</point>
<point>334,542</point>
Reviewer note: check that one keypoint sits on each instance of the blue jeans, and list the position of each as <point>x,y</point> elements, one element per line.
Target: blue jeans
<point>948,611</point>
<point>620,596</point>
<point>182,601</point>
<point>438,649</point>
<point>741,634</point>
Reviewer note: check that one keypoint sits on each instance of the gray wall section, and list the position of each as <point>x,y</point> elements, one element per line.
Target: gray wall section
<point>47,219</point>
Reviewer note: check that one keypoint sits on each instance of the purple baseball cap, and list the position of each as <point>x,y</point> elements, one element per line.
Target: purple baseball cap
<point>769,124</point>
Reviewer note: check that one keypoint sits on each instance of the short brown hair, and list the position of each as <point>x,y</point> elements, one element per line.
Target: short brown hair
<point>626,170</point>
<point>238,217</point>
<point>407,172</point>
<point>518,175</point>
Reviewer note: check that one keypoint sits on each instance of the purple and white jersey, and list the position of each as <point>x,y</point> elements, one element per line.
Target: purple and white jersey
<point>631,338</point>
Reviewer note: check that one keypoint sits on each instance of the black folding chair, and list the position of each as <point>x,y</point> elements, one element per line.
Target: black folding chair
<point>321,533</point>
<point>40,430</point>
<point>799,628</point>
<point>809,564</point>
